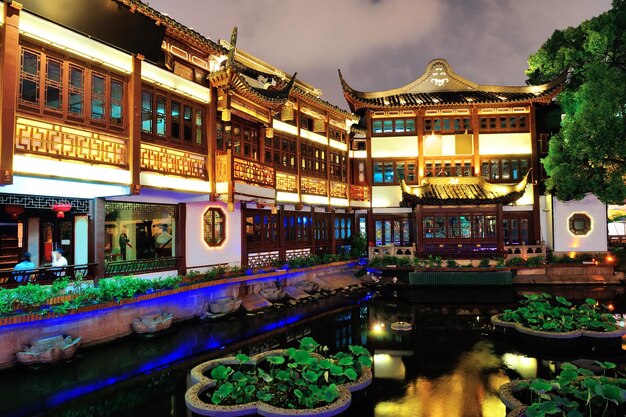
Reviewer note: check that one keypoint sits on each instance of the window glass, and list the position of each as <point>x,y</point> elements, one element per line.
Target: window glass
<point>377,126</point>
<point>440,227</point>
<point>188,128</point>
<point>214,227</point>
<point>175,120</point>
<point>54,84</point>
<point>117,102</point>
<point>387,126</point>
<point>410,125</point>
<point>76,91</point>
<point>399,171</point>
<point>161,114</point>
<point>139,231</point>
<point>97,96</point>
<point>378,172</point>
<point>399,126</point>
<point>146,111</point>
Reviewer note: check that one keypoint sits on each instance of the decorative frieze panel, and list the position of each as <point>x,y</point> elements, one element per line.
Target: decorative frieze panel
<point>172,161</point>
<point>79,205</point>
<point>286,182</point>
<point>56,140</point>
<point>297,253</point>
<point>313,186</point>
<point>222,168</point>
<point>338,190</point>
<point>359,193</point>
<point>253,173</point>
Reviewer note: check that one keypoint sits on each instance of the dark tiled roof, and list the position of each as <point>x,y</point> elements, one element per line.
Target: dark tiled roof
<point>439,85</point>
<point>462,191</point>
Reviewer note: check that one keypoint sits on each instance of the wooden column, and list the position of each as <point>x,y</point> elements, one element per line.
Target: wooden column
<point>420,147</point>
<point>282,253</point>
<point>536,230</point>
<point>371,231</point>
<point>328,158</point>
<point>476,133</point>
<point>331,231</point>
<point>298,152</point>
<point>181,238</point>
<point>419,234</point>
<point>500,228</point>
<point>369,164</point>
<point>244,240</point>
<point>261,157</point>
<point>312,231</point>
<point>9,67</point>
<point>134,143</point>
<point>96,231</point>
<point>211,139</point>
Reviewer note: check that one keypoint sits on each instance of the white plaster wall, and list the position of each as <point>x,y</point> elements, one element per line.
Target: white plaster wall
<point>33,239</point>
<point>386,196</point>
<point>81,240</point>
<point>595,241</point>
<point>394,147</point>
<point>198,253</point>
<point>504,144</point>
<point>545,219</point>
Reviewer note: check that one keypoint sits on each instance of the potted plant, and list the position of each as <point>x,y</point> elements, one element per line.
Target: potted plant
<point>293,381</point>
<point>576,392</point>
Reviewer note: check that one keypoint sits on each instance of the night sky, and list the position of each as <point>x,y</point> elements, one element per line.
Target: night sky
<point>382,44</point>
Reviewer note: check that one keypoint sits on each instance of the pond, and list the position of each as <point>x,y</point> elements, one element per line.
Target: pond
<point>450,364</point>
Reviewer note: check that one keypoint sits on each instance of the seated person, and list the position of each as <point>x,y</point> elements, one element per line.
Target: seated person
<point>58,260</point>
<point>25,265</point>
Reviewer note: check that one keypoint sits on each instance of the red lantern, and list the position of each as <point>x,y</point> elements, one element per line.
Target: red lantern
<point>61,208</point>
<point>14,211</point>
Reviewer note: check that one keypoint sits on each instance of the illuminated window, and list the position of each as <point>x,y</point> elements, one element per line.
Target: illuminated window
<point>404,126</point>
<point>580,224</point>
<point>214,226</point>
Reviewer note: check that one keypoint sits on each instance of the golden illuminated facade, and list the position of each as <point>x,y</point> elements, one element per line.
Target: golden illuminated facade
<point>175,153</point>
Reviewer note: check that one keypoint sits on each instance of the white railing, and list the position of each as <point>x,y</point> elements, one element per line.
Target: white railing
<point>391,250</point>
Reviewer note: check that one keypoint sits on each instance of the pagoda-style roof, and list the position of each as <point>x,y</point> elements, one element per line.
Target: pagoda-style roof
<point>440,85</point>
<point>264,89</point>
<point>437,191</point>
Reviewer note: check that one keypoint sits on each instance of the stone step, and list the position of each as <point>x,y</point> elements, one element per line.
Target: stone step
<point>295,293</point>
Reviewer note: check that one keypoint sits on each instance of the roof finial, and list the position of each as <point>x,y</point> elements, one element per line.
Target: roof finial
<point>233,47</point>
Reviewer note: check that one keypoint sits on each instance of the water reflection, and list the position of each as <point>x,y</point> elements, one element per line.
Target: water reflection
<point>469,390</point>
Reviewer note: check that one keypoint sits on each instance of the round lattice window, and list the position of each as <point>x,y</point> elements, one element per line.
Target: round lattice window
<point>580,224</point>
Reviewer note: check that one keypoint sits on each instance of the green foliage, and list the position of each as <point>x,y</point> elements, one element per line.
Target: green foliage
<point>539,312</point>
<point>588,154</point>
<point>301,379</point>
<point>484,263</point>
<point>578,392</point>
<point>451,263</point>
<point>358,245</point>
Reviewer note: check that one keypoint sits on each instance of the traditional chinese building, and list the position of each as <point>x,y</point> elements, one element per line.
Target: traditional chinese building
<point>453,168</point>
<point>137,145</point>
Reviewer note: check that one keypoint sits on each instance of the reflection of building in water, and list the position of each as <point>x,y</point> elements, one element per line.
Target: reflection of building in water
<point>469,390</point>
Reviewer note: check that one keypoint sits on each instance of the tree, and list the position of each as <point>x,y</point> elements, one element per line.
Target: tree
<point>589,152</point>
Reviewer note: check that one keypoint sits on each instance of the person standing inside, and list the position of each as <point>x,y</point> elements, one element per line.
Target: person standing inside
<point>124,241</point>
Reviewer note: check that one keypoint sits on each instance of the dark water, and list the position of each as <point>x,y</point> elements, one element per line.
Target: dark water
<point>450,365</point>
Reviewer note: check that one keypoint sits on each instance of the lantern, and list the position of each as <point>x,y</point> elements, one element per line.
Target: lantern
<point>14,211</point>
<point>61,208</point>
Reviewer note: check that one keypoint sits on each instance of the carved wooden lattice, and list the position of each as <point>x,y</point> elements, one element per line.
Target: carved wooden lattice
<point>286,182</point>
<point>252,172</point>
<point>54,139</point>
<point>313,186</point>
<point>262,258</point>
<point>338,190</point>
<point>295,253</point>
<point>172,161</point>
<point>359,193</point>
<point>222,168</point>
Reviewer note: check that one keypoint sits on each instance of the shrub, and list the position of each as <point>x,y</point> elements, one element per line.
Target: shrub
<point>515,262</point>
<point>500,263</point>
<point>535,261</point>
<point>451,263</point>
<point>358,245</point>
<point>404,262</point>
<point>484,263</point>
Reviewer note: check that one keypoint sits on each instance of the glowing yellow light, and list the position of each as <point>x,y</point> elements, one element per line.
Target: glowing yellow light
<point>609,259</point>
<point>378,328</point>
<point>610,307</point>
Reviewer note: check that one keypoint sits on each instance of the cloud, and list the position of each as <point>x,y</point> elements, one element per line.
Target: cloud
<point>381,44</point>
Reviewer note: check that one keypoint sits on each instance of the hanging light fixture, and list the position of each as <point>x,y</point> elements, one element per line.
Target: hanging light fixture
<point>14,211</point>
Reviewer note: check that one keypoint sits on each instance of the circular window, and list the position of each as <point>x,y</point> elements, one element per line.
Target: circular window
<point>214,226</point>
<point>580,224</point>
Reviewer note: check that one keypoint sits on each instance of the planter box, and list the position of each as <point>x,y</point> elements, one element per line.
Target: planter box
<point>202,383</point>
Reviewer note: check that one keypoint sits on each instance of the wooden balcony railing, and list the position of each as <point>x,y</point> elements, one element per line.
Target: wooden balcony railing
<point>141,265</point>
<point>525,251</point>
<point>391,250</point>
<point>172,161</point>
<point>313,186</point>
<point>45,276</point>
<point>253,173</point>
<point>59,141</point>
<point>338,190</point>
<point>359,193</point>
<point>286,182</point>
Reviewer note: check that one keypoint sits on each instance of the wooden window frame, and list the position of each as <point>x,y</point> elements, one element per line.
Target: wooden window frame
<point>394,168</point>
<point>168,137</point>
<point>405,224</point>
<point>430,167</point>
<point>393,131</point>
<point>338,166</point>
<point>212,237</point>
<point>429,235</point>
<point>447,125</point>
<point>265,235</point>
<point>499,160</point>
<point>40,107</point>
<point>313,159</point>
<point>500,123</point>
<point>279,157</point>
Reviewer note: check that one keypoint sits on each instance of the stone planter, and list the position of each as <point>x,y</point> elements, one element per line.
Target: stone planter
<point>308,286</point>
<point>224,305</point>
<point>49,350</point>
<point>152,323</point>
<point>202,383</point>
<point>273,294</point>
<point>576,338</point>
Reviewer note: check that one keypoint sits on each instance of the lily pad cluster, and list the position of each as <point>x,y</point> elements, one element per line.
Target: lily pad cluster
<point>577,392</point>
<point>542,312</point>
<point>303,378</point>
